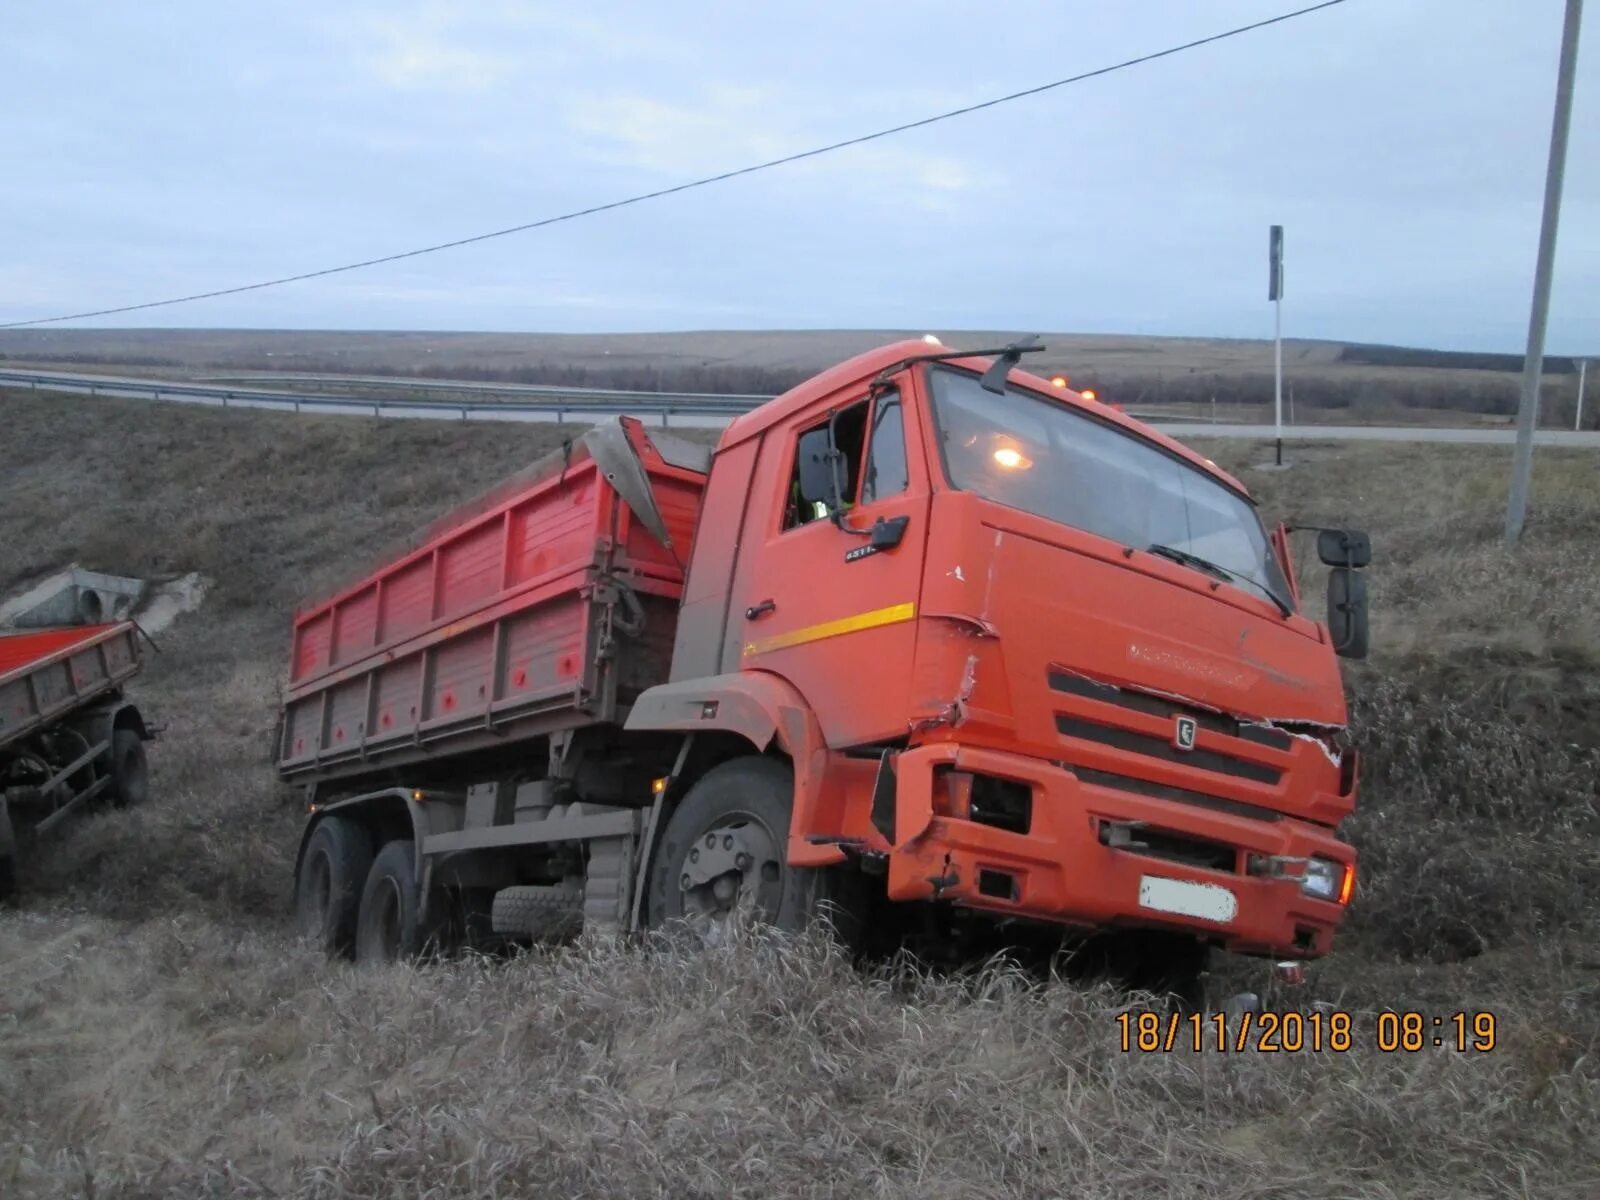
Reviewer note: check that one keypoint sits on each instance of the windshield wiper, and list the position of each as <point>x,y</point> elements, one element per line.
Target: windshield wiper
<point>1205,565</point>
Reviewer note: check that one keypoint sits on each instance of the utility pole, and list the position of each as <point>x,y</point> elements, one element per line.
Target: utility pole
<point>1275,294</point>
<point>1577,421</point>
<point>1533,363</point>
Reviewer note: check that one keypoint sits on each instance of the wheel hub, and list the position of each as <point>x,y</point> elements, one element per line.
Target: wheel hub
<point>727,867</point>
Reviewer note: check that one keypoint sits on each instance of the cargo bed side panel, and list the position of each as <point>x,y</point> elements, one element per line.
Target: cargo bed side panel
<point>45,674</point>
<point>492,628</point>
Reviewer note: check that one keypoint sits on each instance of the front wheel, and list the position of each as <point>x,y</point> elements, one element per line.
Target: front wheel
<point>723,852</point>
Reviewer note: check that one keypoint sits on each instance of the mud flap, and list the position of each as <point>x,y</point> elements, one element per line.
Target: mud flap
<point>883,797</point>
<point>916,870</point>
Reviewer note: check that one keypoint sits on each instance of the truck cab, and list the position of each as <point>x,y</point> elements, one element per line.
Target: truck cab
<point>1055,661</point>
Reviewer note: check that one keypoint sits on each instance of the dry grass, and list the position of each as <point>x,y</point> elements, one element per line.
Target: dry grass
<point>160,1035</point>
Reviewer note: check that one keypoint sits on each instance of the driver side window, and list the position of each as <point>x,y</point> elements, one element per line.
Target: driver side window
<point>872,467</point>
<point>886,456</point>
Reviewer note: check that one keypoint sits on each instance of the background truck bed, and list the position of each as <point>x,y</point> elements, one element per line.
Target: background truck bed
<point>545,605</point>
<point>46,673</point>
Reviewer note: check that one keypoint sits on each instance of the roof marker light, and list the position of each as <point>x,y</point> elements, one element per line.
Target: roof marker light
<point>1089,394</point>
<point>932,339</point>
<point>1059,381</point>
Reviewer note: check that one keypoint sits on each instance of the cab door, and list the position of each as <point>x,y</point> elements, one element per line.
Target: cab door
<point>819,604</point>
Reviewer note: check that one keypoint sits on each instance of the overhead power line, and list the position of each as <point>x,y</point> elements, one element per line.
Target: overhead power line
<point>694,183</point>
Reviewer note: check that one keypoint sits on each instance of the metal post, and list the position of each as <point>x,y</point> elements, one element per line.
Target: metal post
<point>1533,363</point>
<point>1577,421</point>
<point>1275,294</point>
<point>1277,372</point>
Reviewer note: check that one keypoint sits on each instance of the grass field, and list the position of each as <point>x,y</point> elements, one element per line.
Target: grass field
<point>162,1035</point>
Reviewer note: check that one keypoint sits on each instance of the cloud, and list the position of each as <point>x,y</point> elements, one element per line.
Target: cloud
<point>729,126</point>
<point>438,46</point>
<point>424,48</point>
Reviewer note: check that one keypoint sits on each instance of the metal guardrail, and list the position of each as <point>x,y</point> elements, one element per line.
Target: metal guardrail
<point>412,383</point>
<point>686,409</point>
<point>552,404</point>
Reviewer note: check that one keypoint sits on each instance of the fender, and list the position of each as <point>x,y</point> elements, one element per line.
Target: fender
<point>99,722</point>
<point>385,806</point>
<point>765,710</point>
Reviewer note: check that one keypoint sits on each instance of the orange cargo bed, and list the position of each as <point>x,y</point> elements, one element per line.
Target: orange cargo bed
<point>514,617</point>
<point>45,673</point>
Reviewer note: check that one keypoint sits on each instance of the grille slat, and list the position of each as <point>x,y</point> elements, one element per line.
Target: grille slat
<point>1160,706</point>
<point>1155,747</point>
<point>1162,791</point>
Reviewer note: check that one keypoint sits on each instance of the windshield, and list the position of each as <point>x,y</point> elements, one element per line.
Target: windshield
<point>1025,451</point>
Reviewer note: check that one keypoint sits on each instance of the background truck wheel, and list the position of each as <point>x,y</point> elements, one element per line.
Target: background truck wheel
<point>327,893</point>
<point>130,772</point>
<point>723,850</point>
<point>389,927</point>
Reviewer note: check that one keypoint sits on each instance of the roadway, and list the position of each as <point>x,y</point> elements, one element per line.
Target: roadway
<point>669,409</point>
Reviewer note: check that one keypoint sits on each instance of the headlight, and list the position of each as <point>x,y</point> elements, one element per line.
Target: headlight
<point>1329,880</point>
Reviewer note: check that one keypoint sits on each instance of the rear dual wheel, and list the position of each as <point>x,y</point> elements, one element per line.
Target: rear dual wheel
<point>390,926</point>
<point>130,770</point>
<point>329,883</point>
<point>351,900</point>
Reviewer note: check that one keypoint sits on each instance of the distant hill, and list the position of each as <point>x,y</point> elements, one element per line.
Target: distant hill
<point>1142,370</point>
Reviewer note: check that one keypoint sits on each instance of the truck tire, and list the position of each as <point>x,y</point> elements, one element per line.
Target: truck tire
<point>724,848</point>
<point>130,771</point>
<point>8,852</point>
<point>328,884</point>
<point>389,927</point>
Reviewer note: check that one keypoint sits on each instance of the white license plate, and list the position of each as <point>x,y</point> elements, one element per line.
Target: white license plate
<point>1207,901</point>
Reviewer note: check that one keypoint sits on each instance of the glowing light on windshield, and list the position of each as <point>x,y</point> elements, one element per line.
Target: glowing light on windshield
<point>1012,459</point>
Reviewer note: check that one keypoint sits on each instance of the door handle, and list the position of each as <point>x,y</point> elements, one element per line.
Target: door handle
<point>756,611</point>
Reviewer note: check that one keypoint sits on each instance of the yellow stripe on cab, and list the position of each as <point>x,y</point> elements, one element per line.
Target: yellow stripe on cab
<point>893,615</point>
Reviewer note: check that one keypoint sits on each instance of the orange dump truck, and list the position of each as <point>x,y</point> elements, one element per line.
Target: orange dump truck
<point>925,636</point>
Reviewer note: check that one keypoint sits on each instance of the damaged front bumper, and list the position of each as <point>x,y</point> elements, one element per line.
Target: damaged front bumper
<point>1095,856</point>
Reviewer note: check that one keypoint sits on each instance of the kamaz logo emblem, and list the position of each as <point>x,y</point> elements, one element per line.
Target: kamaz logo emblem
<point>1183,736</point>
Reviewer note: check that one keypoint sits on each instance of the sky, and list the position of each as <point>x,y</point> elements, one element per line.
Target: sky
<point>154,150</point>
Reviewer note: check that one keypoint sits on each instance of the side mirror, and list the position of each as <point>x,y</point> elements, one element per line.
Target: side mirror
<point>1347,612</point>
<point>817,482</point>
<point>1344,548</point>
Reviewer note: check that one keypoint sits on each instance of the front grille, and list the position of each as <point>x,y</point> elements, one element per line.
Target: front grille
<point>1155,747</point>
<point>1160,706</point>
<point>1162,791</point>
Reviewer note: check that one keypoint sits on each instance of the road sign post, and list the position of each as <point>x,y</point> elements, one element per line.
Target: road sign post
<point>1577,420</point>
<point>1275,294</point>
<point>1533,362</point>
